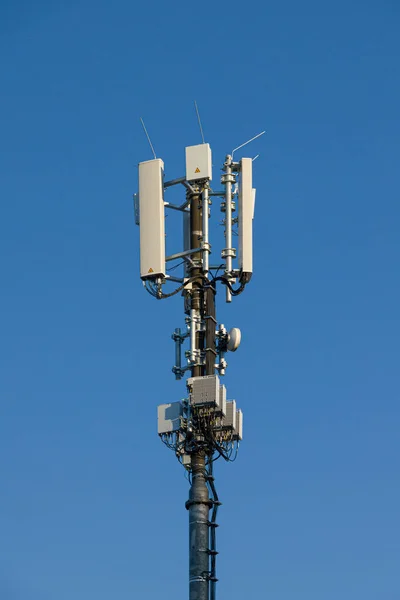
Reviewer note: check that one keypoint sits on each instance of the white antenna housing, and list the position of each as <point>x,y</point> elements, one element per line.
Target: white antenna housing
<point>246,213</point>
<point>152,226</point>
<point>198,162</point>
<point>239,425</point>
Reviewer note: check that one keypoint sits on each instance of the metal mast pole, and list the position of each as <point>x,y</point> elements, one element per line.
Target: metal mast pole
<point>199,503</point>
<point>196,233</point>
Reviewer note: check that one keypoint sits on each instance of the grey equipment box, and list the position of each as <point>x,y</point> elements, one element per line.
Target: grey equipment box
<point>169,417</point>
<point>204,391</point>
<point>228,423</point>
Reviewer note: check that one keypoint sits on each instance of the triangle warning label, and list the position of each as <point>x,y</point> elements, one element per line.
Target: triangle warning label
<point>150,270</point>
<point>197,170</point>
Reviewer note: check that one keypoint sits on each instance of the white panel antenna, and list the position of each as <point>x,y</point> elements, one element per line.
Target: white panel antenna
<point>222,400</point>
<point>246,213</point>
<point>152,226</point>
<point>198,162</point>
<point>239,425</point>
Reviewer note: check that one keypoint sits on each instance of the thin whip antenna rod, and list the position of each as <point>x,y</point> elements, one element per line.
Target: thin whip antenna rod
<point>248,142</point>
<point>148,138</point>
<point>199,120</point>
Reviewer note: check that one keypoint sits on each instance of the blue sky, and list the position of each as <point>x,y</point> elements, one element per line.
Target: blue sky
<point>92,504</point>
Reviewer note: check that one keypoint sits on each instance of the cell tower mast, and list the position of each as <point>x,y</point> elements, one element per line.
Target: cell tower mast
<point>204,425</point>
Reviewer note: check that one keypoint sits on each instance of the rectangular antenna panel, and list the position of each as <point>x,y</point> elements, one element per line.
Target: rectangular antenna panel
<point>198,162</point>
<point>222,400</point>
<point>152,226</point>
<point>246,213</point>
<point>169,417</point>
<point>239,425</point>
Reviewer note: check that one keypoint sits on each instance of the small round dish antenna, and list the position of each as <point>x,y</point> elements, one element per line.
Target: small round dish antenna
<point>234,339</point>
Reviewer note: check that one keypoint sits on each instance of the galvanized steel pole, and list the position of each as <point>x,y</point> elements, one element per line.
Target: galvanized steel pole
<point>198,506</point>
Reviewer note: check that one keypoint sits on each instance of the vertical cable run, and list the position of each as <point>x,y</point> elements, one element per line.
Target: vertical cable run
<point>213,525</point>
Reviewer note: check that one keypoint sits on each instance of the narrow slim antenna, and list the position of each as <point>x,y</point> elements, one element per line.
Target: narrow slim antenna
<point>248,142</point>
<point>148,138</point>
<point>199,120</point>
